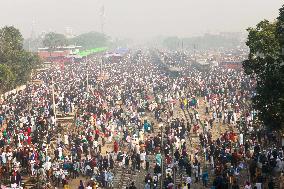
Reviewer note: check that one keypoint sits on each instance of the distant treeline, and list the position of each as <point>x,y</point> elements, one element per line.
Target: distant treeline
<point>86,40</point>
<point>207,41</point>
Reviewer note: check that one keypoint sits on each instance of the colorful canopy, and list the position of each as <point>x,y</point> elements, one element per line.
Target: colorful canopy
<point>92,51</point>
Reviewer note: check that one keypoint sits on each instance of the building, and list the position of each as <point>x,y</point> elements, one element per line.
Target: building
<point>231,64</point>
<point>59,54</point>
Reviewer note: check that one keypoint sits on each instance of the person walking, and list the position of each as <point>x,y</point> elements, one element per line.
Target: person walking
<point>81,185</point>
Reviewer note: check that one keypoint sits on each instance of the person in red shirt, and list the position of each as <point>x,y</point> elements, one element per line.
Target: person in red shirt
<point>168,159</point>
<point>29,140</point>
<point>29,130</point>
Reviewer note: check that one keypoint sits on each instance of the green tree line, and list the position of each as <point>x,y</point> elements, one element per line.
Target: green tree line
<point>207,41</point>
<point>86,40</point>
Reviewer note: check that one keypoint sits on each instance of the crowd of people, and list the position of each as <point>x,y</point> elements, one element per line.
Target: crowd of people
<point>198,126</point>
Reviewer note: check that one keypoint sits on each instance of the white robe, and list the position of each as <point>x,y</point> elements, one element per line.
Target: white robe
<point>66,141</point>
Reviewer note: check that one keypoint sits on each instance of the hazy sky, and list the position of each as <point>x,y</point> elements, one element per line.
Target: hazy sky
<point>137,18</point>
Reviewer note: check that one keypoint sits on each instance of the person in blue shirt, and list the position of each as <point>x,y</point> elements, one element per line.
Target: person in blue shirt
<point>158,158</point>
<point>147,126</point>
<point>1,120</point>
<point>205,178</point>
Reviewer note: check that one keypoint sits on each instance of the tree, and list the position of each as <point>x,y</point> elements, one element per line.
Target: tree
<point>207,41</point>
<point>280,28</point>
<point>265,65</point>
<point>22,68</point>
<point>171,42</point>
<point>53,40</point>
<point>16,63</point>
<point>11,42</point>
<point>280,36</point>
<point>91,40</point>
<point>7,78</point>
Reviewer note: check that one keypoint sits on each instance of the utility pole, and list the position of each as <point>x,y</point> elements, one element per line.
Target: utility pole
<point>87,73</point>
<point>162,161</point>
<point>33,35</point>
<point>101,66</point>
<point>102,17</point>
<point>194,49</point>
<point>53,100</point>
<point>101,70</point>
<point>87,80</point>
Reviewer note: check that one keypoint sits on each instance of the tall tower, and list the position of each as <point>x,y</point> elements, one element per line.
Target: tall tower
<point>33,33</point>
<point>32,38</point>
<point>102,18</point>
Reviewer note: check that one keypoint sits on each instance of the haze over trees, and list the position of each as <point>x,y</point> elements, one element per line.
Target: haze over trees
<point>54,40</point>
<point>207,41</point>
<point>91,40</point>
<point>265,64</point>
<point>96,39</point>
<point>86,40</point>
